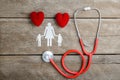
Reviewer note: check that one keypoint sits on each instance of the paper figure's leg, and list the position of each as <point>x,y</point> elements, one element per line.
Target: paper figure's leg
<point>50,42</point>
<point>40,43</point>
<point>59,44</point>
<point>47,42</point>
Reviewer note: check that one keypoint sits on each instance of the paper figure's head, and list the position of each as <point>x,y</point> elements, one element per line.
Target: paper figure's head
<point>49,24</point>
<point>59,34</point>
<point>39,34</point>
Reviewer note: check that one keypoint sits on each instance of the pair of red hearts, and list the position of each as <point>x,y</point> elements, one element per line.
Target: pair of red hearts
<point>38,17</point>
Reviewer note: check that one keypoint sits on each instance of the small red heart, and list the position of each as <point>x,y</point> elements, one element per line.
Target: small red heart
<point>37,18</point>
<point>62,19</point>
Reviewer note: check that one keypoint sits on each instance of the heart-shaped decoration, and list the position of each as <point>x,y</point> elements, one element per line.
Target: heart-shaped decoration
<point>62,19</point>
<point>37,18</point>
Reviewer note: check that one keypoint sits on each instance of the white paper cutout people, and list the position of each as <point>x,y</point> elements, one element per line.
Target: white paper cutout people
<point>60,39</point>
<point>49,34</point>
<point>38,39</point>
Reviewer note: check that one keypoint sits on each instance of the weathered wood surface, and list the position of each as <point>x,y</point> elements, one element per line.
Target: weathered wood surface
<point>33,68</point>
<point>18,36</point>
<point>20,58</point>
<point>15,8</point>
<point>87,27</point>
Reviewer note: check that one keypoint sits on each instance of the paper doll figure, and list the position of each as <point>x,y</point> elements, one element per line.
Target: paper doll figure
<point>49,34</point>
<point>38,39</point>
<point>60,39</point>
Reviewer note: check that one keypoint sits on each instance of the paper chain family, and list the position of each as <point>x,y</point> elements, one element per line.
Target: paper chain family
<point>49,34</point>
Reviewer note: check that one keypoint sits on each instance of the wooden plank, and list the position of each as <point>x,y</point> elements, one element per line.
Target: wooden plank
<point>32,68</point>
<point>14,8</point>
<point>87,27</point>
<point>17,36</point>
<point>26,45</point>
<point>108,8</point>
<point>96,59</point>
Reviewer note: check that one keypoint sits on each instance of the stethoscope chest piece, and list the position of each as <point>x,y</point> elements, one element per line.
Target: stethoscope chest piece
<point>47,55</point>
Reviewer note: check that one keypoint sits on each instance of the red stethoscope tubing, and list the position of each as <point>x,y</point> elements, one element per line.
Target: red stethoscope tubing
<point>84,67</point>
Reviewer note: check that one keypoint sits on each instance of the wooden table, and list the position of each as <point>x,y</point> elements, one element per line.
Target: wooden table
<point>20,58</point>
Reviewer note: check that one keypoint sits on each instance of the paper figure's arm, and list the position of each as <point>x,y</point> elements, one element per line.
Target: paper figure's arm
<point>37,38</point>
<point>45,32</point>
<point>53,32</point>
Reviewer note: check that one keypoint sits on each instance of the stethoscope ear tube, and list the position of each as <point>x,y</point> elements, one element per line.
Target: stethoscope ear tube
<point>87,9</point>
<point>94,48</point>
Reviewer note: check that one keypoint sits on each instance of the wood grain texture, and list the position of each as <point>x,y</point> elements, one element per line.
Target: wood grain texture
<point>87,27</point>
<point>15,8</point>
<point>18,36</point>
<point>20,58</point>
<point>33,68</point>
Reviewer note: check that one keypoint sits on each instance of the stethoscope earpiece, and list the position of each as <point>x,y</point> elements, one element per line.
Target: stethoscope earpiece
<point>87,8</point>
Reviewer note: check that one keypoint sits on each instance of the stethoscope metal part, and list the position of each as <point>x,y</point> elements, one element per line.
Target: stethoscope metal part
<point>48,55</point>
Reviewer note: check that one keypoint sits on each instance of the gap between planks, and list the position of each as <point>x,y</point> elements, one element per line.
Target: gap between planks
<point>54,17</point>
<point>97,59</point>
<point>54,54</point>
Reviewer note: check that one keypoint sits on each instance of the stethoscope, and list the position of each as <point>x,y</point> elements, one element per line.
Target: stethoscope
<point>48,55</point>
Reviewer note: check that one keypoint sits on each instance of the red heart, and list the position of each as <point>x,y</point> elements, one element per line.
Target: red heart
<point>62,19</point>
<point>37,18</point>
